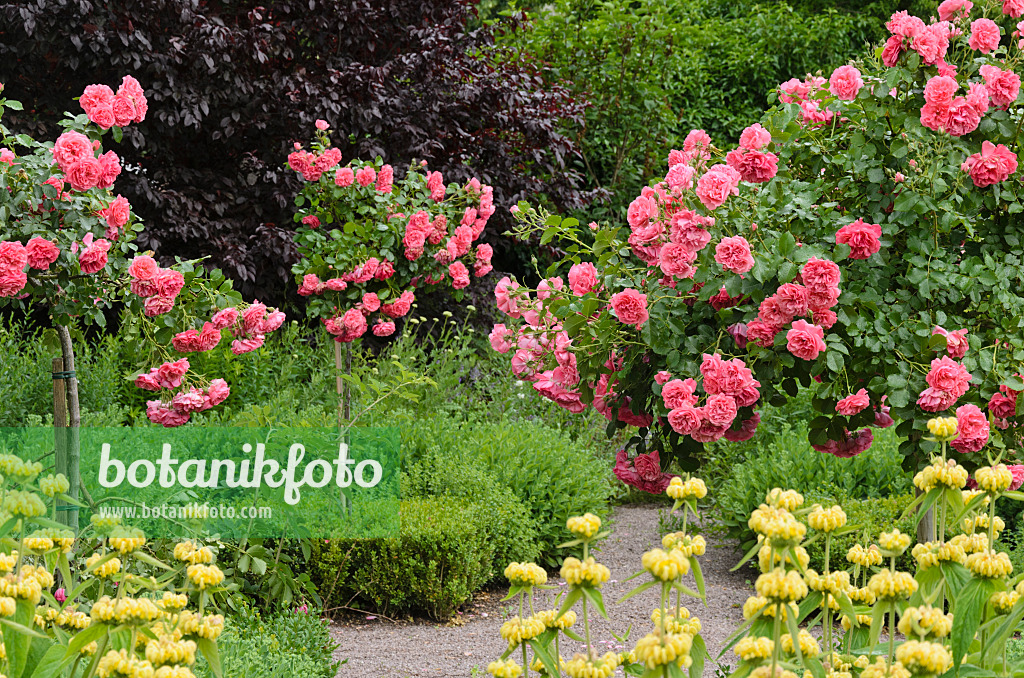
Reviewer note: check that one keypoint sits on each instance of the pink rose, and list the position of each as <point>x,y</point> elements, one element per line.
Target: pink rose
<point>805,341</point>
<point>762,333</point>
<point>117,213</point>
<point>845,83</point>
<point>820,273</point>
<point>753,166</point>
<point>311,220</point>
<point>102,116</point>
<point>70,147</point>
<point>972,429</point>
<point>110,169</point>
<point>499,338</point>
<point>370,302</point>
<point>994,164</point>
<point>662,377</point>
<point>94,257</point>
<point>680,177</point>
<point>272,322</point>
<point>931,43</point>
<point>935,400</point>
<point>224,318</point>
<point>770,312</point>
<point>962,118</point>
<point>94,96</point>
<point>894,48</point>
<point>956,341</point>
<point>218,392</point>
<point>678,392</point>
<point>384,328</point>
<point>630,307</point>
<point>84,174</point>
<point>755,137</point>
<point>645,473</point>
<point>344,177</point>
<point>248,344</point>
<point>685,419</point>
<point>1003,86</point>
<point>824,318</point>
<point>677,260</point>
<point>746,430</point>
<point>641,212</point>
<point>940,90</point>
<point>1013,8</point>
<point>401,306</point>
<point>951,10</point>
<point>1002,406</point>
<point>862,237</point>
<point>124,110</point>
<point>822,299</point>
<point>169,282</point>
<point>950,376</point>
<point>853,403</point>
<point>366,176</point>
<point>460,275</point>
<point>698,144</point>
<point>716,185</point>
<point>792,299</point>
<point>157,305</point>
<point>734,254</point>
<point>984,35</point>
<point>708,432</point>
<point>40,253</point>
<point>720,410</point>
<point>384,181</point>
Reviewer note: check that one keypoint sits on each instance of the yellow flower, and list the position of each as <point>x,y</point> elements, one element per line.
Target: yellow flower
<point>881,670</point>
<point>862,595</point>
<point>980,523</point>
<point>189,552</point>
<point>517,630</point>
<point>893,543</point>
<point>24,586</point>
<point>209,626</point>
<point>834,582</point>
<point>683,623</point>
<point>808,645</point>
<point>755,604</point>
<point>925,621</point>
<point>923,658</point>
<point>694,488</point>
<point>52,485</point>
<point>107,569</point>
<point>127,540</point>
<point>552,621</point>
<point>22,503</point>
<point>943,428</point>
<point>654,650</point>
<point>665,566</point>
<point>751,648</point>
<point>8,561</point>
<point>865,557</point>
<point>687,544</point>
<point>121,663</point>
<point>585,526</point>
<point>74,619</point>
<point>972,543</point>
<point>826,520</point>
<point>777,525</point>
<point>173,601</point>
<point>504,669</point>
<point>789,500</point>
<point>585,573</point>
<point>889,586</point>
<point>968,495</point>
<point>862,620</point>
<point>931,554</point>
<point>131,611</point>
<point>103,524</point>
<point>989,564</point>
<point>765,672</point>
<point>766,552</point>
<point>781,586</point>
<point>7,606</point>
<point>204,576</point>
<point>22,471</point>
<point>1003,601</point>
<point>525,574</point>
<point>950,475</point>
<point>582,667</point>
<point>174,672</point>
<point>39,544</point>
<point>994,479</point>
<point>168,650</point>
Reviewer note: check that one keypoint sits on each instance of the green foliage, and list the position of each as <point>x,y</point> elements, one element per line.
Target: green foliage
<point>653,70</point>
<point>553,476</point>
<point>511,529</point>
<point>288,644</point>
<point>871,516</point>
<point>442,557</point>
<point>786,460</point>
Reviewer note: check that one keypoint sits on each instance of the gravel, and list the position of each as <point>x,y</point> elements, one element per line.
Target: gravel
<point>379,648</point>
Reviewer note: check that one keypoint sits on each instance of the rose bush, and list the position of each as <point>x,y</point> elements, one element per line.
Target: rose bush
<point>67,245</point>
<point>862,241</point>
<point>367,241</point>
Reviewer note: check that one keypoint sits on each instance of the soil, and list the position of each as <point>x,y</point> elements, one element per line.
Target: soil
<point>380,648</point>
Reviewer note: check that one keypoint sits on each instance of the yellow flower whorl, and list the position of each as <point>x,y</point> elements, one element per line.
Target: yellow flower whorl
<point>865,557</point>
<point>552,621</point>
<point>751,648</point>
<point>789,500</point>
<point>781,586</point>
<point>895,542</point>
<point>808,644</point>
<point>889,586</point>
<point>990,564</point>
<point>826,520</point>
<point>204,576</point>
<point>923,658</point>
<point>994,479</point>
<point>585,526</point>
<point>665,566</point>
<point>694,488</point>
<point>118,663</point>
<point>582,667</point>
<point>107,569</point>
<point>584,573</point>
<point>943,428</point>
<point>925,621</point>
<point>525,574</point>
<point>52,485</point>
<point>504,669</point>
<point>654,650</point>
<point>517,630</point>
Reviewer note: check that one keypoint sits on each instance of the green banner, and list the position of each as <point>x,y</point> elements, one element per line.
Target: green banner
<point>231,482</point>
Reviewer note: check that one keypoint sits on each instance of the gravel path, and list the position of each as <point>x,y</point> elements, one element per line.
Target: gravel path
<point>384,649</point>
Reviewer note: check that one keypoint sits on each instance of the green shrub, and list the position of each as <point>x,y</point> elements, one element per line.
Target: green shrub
<point>870,517</point>
<point>550,473</point>
<point>441,558</point>
<point>510,527</point>
<point>288,644</point>
<point>787,460</point>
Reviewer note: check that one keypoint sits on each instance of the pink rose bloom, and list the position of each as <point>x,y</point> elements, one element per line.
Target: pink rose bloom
<point>662,377</point>
<point>460,275</point>
<point>720,410</point>
<point>499,338</point>
<point>862,237</point>
<point>344,177</point>
<point>805,341</point>
<point>994,164</point>
<point>746,430</point>
<point>321,125</point>
<point>1013,8</point>
<point>102,116</point>
<point>218,392</point>
<point>845,83</point>
<point>853,403</point>
<point>950,376</point>
<point>824,318</point>
<point>940,90</point>
<point>641,212</point>
<point>977,97</point>
<point>370,302</point>
<point>972,429</point>
<point>792,299</point>
<point>84,174</point>
<point>71,147</point>
<point>685,231</point>
<point>680,176</point>
<point>820,274</point>
<point>169,282</point>
<point>366,176</point>
<point>186,342</point>
<point>882,417</point>
<point>384,328</point>
<point>401,306</point>
<point>131,89</point>
<point>793,91</point>
<point>224,318</point>
<point>716,185</point>
<point>697,144</point>
<point>40,253</point>
<point>709,432</point>
<point>755,137</point>
<point>110,169</point>
<point>935,400</point>
<point>984,35</point>
<point>956,341</point>
<point>762,333</point>
<point>124,110</point>
<point>1003,86</point>
<point>148,381</point>
<point>894,48</point>
<point>384,180</point>
<point>169,375</point>
<point>734,254</point>
<point>821,299</point>
<point>904,25</point>
<point>94,257</point>
<point>311,220</point>
<point>94,96</point>
<point>962,118</point>
<point>630,307</point>
<point>931,43</point>
<point>1002,406</point>
<point>677,260</point>
<point>951,10</point>
<point>771,312</point>
<point>247,344</point>
<point>117,213</point>
<point>644,474</point>
<point>753,166</point>
<point>435,184</point>
<point>157,305</point>
<point>685,419</point>
<point>273,321</point>
<point>677,392</point>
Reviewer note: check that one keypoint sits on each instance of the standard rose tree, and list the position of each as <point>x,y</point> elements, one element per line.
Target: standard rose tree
<point>862,241</point>
<point>67,245</point>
